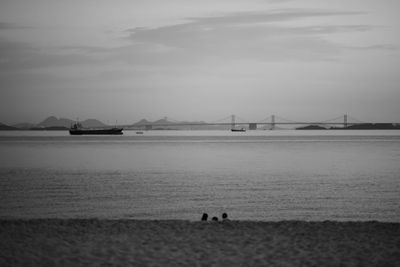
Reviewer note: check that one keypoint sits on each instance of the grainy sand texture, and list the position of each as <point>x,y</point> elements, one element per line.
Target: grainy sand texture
<point>74,242</point>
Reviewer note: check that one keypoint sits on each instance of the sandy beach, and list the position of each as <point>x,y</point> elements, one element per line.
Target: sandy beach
<point>73,242</point>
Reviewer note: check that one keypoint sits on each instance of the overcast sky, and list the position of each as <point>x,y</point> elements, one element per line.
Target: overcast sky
<point>199,60</point>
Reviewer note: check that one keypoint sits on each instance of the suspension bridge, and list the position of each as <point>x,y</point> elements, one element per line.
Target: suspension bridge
<point>271,122</point>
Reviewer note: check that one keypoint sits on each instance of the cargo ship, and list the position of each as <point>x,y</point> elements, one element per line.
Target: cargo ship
<point>238,129</point>
<point>77,129</point>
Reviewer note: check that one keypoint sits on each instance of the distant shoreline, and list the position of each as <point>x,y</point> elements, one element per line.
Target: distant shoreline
<point>307,128</point>
<point>80,242</point>
<point>365,126</point>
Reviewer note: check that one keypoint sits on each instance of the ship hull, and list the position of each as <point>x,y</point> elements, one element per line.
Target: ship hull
<point>113,131</point>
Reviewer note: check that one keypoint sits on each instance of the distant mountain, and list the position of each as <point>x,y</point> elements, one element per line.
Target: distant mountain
<point>53,121</point>
<point>24,125</point>
<point>141,122</point>
<point>51,128</point>
<point>6,127</point>
<point>193,122</point>
<point>63,122</point>
<point>164,124</point>
<point>162,121</point>
<point>370,126</point>
<point>145,122</point>
<point>311,127</point>
<point>92,123</point>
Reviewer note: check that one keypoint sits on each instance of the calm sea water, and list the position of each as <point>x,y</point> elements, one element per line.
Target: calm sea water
<point>257,175</point>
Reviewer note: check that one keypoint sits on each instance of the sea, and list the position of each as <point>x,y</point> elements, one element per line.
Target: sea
<point>264,175</point>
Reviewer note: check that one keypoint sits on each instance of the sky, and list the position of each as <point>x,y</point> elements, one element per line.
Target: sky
<point>126,60</point>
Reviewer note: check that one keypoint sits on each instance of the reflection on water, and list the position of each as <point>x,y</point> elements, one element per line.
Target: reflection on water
<point>257,175</point>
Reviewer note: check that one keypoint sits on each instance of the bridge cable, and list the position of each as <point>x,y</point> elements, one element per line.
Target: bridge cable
<point>354,119</point>
<point>223,120</point>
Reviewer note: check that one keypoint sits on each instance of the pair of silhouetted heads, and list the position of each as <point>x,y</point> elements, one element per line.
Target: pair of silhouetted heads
<point>205,217</point>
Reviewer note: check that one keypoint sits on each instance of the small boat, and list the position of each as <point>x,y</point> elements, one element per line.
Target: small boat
<point>139,132</point>
<point>77,129</point>
<point>238,130</point>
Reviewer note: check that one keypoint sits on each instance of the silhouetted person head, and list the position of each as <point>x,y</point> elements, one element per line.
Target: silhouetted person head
<point>224,216</point>
<point>204,217</point>
<point>215,219</point>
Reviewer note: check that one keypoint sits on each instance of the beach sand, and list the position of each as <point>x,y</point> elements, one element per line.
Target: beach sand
<point>74,242</point>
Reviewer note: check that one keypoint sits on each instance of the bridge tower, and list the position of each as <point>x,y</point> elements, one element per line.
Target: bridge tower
<point>345,121</point>
<point>233,121</point>
<point>272,122</point>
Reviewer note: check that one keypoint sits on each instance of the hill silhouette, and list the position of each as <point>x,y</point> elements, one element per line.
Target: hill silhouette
<point>23,125</point>
<point>311,127</point>
<point>92,123</point>
<point>7,127</point>
<point>53,121</point>
<point>163,121</point>
<point>141,122</point>
<point>165,124</point>
<point>370,126</point>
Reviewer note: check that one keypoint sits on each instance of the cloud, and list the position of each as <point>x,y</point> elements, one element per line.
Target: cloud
<point>5,26</point>
<point>247,36</point>
<point>15,55</point>
<point>21,56</point>
<point>11,26</point>
<point>388,47</point>
<point>328,29</point>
